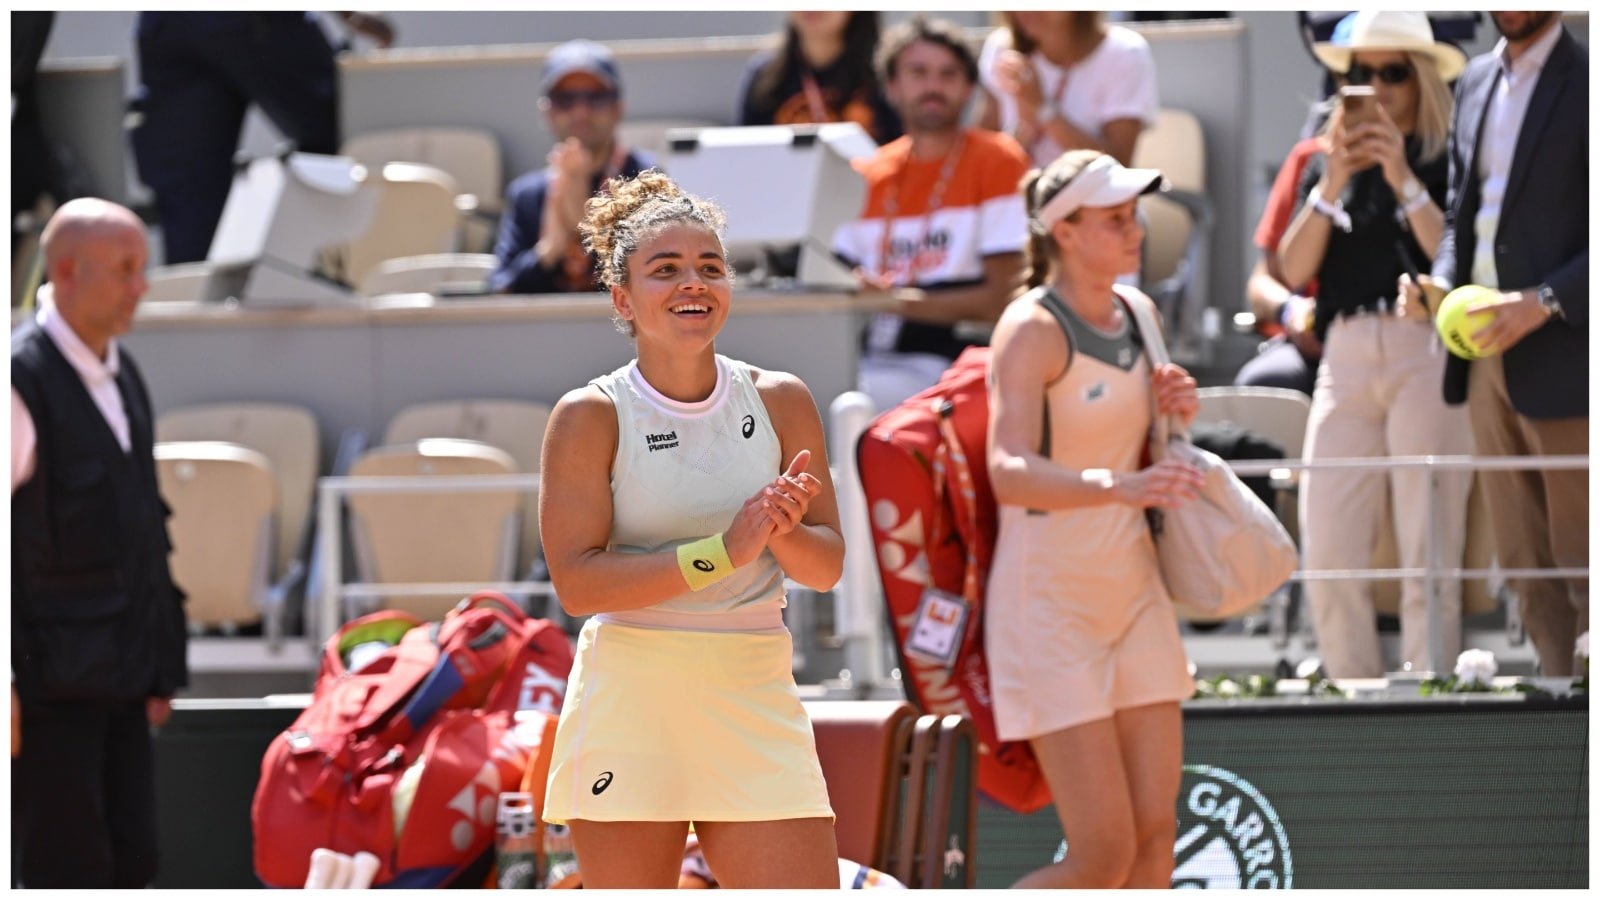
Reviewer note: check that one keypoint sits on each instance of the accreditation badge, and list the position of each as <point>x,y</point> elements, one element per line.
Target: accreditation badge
<point>936,632</point>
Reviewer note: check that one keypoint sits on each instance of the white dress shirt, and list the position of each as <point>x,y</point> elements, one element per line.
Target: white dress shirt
<point>1502,125</point>
<point>99,376</point>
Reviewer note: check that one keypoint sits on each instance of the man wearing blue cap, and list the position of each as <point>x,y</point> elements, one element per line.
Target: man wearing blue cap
<point>537,249</point>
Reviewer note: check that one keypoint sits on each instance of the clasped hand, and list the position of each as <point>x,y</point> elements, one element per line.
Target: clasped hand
<point>772,512</point>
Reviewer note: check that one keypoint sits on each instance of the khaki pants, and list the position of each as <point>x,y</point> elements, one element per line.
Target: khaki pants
<point>1378,394</point>
<point>1541,519</point>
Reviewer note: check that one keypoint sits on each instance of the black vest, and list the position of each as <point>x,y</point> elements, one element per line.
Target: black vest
<point>94,613</point>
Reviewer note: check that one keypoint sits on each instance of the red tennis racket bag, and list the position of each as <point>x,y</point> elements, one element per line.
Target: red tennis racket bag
<point>924,470</point>
<point>405,756</point>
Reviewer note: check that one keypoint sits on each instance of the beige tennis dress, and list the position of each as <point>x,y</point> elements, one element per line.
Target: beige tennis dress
<point>687,710</point>
<point>1078,623</point>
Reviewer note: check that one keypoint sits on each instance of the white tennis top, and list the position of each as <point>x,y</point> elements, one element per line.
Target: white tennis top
<point>681,472</point>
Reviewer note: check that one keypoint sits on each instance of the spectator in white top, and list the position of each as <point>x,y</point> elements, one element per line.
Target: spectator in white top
<point>1059,81</point>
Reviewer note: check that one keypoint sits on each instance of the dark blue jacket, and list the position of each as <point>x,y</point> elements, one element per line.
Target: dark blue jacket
<point>1543,236</point>
<point>517,269</point>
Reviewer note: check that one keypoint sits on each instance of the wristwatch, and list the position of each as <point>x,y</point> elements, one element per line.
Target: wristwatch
<point>1552,305</point>
<point>1411,190</point>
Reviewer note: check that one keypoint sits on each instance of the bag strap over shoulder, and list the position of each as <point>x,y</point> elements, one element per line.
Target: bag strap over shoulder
<point>1053,304</point>
<point>1165,428</point>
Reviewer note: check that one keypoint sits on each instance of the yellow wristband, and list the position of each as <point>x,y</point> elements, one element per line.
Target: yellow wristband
<point>704,562</point>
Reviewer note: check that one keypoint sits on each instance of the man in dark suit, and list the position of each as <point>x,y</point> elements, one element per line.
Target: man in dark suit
<point>1519,223</point>
<point>98,637</point>
<point>538,249</point>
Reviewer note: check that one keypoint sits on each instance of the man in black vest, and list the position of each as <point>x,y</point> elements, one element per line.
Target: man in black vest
<point>1518,222</point>
<point>98,637</point>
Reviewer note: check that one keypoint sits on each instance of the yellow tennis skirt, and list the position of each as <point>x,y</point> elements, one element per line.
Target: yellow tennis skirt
<point>671,726</point>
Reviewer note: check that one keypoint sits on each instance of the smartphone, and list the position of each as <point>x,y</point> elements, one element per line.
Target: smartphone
<point>1360,102</point>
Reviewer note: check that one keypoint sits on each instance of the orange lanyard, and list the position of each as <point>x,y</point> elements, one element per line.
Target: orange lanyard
<point>891,206</point>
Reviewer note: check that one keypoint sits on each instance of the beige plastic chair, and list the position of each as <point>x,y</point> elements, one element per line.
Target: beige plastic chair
<point>470,155</point>
<point>416,215</point>
<point>1176,146</point>
<point>1277,414</point>
<point>286,435</point>
<point>650,135</point>
<point>457,536</point>
<point>224,504</point>
<point>428,274</point>
<point>514,426</point>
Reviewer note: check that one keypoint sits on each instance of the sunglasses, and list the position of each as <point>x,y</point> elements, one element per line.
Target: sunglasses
<point>1393,73</point>
<point>566,100</point>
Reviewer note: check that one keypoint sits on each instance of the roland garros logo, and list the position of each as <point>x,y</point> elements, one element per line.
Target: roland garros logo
<point>1229,836</point>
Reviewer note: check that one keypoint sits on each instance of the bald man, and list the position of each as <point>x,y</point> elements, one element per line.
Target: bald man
<point>98,637</point>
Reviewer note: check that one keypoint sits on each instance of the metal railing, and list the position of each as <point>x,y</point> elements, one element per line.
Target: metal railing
<point>852,412</point>
<point>1433,573</point>
<point>331,590</point>
<point>858,610</point>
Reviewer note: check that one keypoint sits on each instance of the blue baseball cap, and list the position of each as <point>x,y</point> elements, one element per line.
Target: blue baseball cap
<point>583,56</point>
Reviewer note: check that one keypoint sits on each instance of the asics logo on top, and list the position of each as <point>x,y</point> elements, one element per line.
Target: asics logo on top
<point>748,427</point>
<point>601,783</point>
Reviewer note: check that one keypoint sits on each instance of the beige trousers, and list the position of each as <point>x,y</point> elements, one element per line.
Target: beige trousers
<point>1378,394</point>
<point>1541,519</point>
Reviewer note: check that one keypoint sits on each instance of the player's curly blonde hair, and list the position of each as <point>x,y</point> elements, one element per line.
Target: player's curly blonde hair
<point>628,211</point>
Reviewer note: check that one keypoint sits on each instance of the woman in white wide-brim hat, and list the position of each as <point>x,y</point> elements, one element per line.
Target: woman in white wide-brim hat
<point>1400,31</point>
<point>1372,208</point>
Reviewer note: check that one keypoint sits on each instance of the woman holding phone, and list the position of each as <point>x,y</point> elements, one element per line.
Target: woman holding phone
<point>678,493</point>
<point>1371,209</point>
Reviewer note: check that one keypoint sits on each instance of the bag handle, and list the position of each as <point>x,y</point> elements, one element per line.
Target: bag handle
<point>488,598</point>
<point>1163,427</point>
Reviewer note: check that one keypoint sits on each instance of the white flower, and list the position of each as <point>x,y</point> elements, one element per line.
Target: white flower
<point>1583,645</point>
<point>1476,665</point>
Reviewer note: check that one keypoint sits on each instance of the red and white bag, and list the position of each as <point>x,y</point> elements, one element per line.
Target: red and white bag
<point>405,757</point>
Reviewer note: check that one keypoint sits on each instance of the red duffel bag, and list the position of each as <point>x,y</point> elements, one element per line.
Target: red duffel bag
<point>405,756</point>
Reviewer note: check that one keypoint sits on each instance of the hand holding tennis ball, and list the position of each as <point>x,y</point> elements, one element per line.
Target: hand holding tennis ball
<point>1457,324</point>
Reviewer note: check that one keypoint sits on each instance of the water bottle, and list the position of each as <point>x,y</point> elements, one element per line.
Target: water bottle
<point>516,850</point>
<point>560,861</point>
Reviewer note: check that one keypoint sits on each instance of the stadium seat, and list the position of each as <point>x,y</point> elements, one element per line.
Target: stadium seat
<point>1277,414</point>
<point>287,436</point>
<point>429,274</point>
<point>901,786</point>
<point>457,536</point>
<point>650,135</point>
<point>224,504</point>
<point>470,155</point>
<point>1178,224</point>
<point>416,215</point>
<point>514,426</point>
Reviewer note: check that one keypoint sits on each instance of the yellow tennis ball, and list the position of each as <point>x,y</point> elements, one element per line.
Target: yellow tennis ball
<point>1456,326</point>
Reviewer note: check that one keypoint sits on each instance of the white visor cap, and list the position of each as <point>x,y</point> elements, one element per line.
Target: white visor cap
<point>1103,182</point>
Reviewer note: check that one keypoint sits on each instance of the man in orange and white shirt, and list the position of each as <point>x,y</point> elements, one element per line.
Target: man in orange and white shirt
<point>943,215</point>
